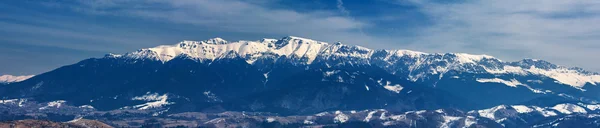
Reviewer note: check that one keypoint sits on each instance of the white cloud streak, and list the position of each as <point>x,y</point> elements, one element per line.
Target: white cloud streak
<point>346,13</point>
<point>341,8</point>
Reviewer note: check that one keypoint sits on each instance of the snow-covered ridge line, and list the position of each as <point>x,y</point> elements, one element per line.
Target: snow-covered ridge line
<point>511,83</point>
<point>498,114</point>
<point>419,64</point>
<point>503,111</point>
<point>289,46</point>
<point>12,79</point>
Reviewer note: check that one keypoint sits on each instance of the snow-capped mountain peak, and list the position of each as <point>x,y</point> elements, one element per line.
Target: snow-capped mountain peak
<point>292,39</point>
<point>417,65</point>
<point>216,40</point>
<point>213,48</point>
<point>268,40</point>
<point>288,46</point>
<point>469,58</point>
<point>408,53</point>
<point>12,79</point>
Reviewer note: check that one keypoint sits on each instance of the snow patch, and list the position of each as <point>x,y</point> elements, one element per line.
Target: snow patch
<point>215,121</point>
<point>408,53</point>
<point>506,69</point>
<point>53,104</point>
<point>535,81</point>
<point>593,107</point>
<point>489,113</point>
<point>394,88</point>
<point>270,119</point>
<point>522,108</point>
<point>75,120</point>
<point>308,122</point>
<point>448,121</point>
<point>369,116</point>
<point>266,75</point>
<point>469,121</point>
<point>511,83</point>
<point>329,73</point>
<point>322,114</point>
<point>569,108</point>
<point>9,101</point>
<point>567,76</point>
<point>86,106</point>
<point>544,112</point>
<point>156,101</point>
<point>212,97</point>
<point>464,58</point>
<point>160,112</point>
<point>12,79</point>
<point>340,117</point>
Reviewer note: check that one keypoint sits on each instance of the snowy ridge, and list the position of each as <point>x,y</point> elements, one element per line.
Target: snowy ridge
<point>567,76</point>
<point>12,79</point>
<point>564,75</point>
<point>490,113</point>
<point>288,46</point>
<point>468,58</point>
<point>250,50</point>
<point>522,108</point>
<point>569,108</point>
<point>501,112</point>
<point>418,66</point>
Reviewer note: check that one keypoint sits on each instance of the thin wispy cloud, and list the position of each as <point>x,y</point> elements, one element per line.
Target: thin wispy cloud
<point>341,8</point>
<point>346,13</point>
<point>235,15</point>
<point>564,32</point>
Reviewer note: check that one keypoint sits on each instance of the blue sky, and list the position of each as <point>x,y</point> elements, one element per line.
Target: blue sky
<point>41,35</point>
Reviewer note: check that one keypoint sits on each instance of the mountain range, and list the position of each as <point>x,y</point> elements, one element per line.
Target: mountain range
<point>298,76</point>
